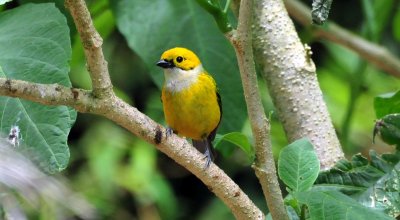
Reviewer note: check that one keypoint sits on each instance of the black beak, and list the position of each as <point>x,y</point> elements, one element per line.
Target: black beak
<point>165,64</point>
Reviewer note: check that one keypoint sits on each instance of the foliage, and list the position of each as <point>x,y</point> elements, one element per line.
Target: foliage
<point>124,177</point>
<point>37,49</point>
<point>239,140</point>
<point>298,165</point>
<point>371,188</point>
<point>356,189</point>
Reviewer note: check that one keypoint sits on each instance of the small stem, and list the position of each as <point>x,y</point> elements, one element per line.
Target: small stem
<point>356,83</point>
<point>303,212</point>
<point>228,3</point>
<point>92,43</point>
<point>219,16</point>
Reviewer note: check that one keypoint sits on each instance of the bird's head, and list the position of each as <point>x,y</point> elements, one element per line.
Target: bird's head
<point>179,57</point>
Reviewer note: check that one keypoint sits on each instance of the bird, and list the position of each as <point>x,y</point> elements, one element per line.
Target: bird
<point>191,102</point>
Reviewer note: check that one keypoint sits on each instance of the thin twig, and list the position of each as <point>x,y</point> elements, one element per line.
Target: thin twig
<point>373,53</point>
<point>92,43</point>
<point>264,165</point>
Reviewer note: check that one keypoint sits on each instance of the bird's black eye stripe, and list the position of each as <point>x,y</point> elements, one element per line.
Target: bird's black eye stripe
<point>179,59</point>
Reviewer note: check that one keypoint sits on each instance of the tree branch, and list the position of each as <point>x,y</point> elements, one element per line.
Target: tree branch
<point>373,53</point>
<point>139,124</point>
<point>92,42</point>
<point>184,154</point>
<point>47,94</point>
<point>102,101</point>
<point>264,165</point>
<point>292,82</point>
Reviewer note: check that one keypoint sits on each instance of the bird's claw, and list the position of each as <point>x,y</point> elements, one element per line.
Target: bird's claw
<point>169,132</point>
<point>207,156</point>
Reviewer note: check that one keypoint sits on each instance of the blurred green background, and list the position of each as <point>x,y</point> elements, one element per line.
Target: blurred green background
<point>126,178</point>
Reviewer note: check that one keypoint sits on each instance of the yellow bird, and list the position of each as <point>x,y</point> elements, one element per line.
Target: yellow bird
<point>192,105</point>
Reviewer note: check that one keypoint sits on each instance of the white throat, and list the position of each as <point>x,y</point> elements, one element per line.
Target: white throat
<point>177,79</point>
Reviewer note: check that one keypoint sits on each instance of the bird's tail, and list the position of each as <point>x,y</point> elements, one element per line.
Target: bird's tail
<point>206,146</point>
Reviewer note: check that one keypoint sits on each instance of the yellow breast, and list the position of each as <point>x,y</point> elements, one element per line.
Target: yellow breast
<point>194,111</point>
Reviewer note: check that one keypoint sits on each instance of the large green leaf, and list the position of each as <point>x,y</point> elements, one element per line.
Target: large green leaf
<point>298,165</point>
<point>373,183</point>
<point>35,46</point>
<point>152,27</point>
<point>335,205</point>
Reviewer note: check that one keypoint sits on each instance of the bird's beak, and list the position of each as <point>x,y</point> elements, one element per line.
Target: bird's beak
<point>165,64</point>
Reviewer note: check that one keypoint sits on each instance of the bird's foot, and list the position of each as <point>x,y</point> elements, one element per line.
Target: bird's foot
<point>207,156</point>
<point>169,132</point>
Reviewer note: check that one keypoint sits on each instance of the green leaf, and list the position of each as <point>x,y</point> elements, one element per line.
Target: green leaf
<point>298,165</point>
<point>320,11</point>
<point>384,194</point>
<point>238,139</point>
<point>387,104</point>
<point>373,183</point>
<point>37,49</point>
<point>151,27</point>
<point>350,176</point>
<point>388,129</point>
<point>335,205</point>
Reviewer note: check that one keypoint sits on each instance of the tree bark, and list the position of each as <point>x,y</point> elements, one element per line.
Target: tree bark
<point>292,82</point>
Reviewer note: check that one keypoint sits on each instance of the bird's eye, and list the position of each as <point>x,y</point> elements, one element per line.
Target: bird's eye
<point>179,59</point>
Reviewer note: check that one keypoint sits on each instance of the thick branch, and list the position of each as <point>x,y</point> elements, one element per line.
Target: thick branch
<point>92,43</point>
<point>292,82</point>
<point>373,53</point>
<point>139,124</point>
<point>264,164</point>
